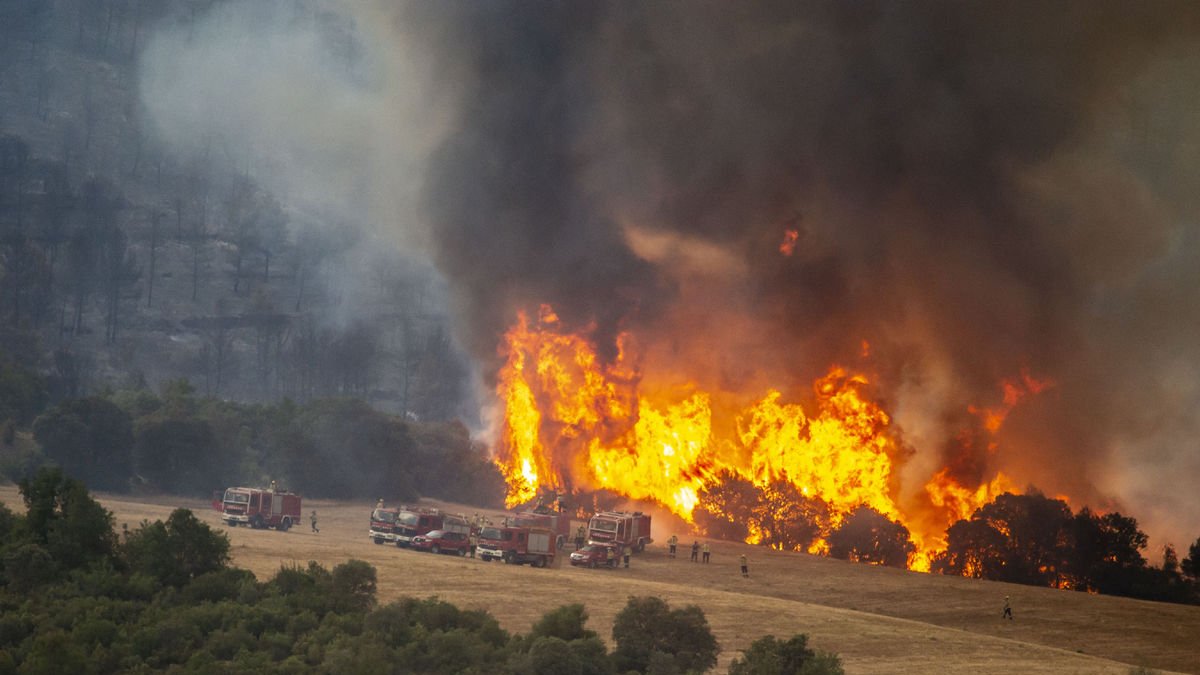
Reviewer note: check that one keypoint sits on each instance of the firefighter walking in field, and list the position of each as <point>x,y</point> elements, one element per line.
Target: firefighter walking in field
<point>695,551</point>
<point>627,550</point>
<point>745,568</point>
<point>579,536</point>
<point>707,551</point>
<point>313,520</point>
<point>1007,610</point>
<point>672,543</point>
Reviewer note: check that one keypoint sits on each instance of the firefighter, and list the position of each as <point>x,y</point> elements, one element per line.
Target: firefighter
<point>745,568</point>
<point>313,520</point>
<point>379,504</point>
<point>706,551</point>
<point>1007,610</point>
<point>473,541</point>
<point>579,536</point>
<point>672,542</point>
<point>610,556</point>
<point>695,551</point>
<point>628,550</point>
<point>274,487</point>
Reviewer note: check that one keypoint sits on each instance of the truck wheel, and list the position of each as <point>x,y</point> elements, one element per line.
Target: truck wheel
<point>435,549</point>
<point>378,540</point>
<point>510,558</point>
<point>285,525</point>
<point>591,564</point>
<point>462,552</point>
<point>257,522</point>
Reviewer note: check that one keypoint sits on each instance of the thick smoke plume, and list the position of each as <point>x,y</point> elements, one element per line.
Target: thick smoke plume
<point>978,192</point>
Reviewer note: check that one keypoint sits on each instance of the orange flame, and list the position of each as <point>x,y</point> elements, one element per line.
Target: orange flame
<point>788,246</point>
<point>571,423</point>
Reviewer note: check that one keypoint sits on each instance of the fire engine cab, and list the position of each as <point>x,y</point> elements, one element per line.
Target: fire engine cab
<point>622,528</point>
<point>260,508</point>
<point>415,521</point>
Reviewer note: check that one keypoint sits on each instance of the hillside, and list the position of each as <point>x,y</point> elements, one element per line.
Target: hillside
<point>878,620</point>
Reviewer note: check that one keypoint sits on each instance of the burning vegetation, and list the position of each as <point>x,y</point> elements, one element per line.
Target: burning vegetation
<point>800,476</point>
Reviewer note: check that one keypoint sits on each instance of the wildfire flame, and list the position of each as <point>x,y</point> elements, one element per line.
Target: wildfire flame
<point>571,424</point>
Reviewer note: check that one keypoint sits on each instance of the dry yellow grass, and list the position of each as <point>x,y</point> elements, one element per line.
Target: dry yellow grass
<point>878,620</point>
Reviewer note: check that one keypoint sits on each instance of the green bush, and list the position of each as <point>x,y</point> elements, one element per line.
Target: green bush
<point>768,656</point>
<point>647,631</point>
<point>177,551</point>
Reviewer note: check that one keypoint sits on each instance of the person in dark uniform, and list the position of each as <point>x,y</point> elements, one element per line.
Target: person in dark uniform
<point>745,567</point>
<point>627,550</point>
<point>695,551</point>
<point>313,519</point>
<point>1007,610</point>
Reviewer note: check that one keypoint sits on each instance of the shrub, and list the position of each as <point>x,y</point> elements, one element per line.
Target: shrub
<point>769,656</point>
<point>647,628</point>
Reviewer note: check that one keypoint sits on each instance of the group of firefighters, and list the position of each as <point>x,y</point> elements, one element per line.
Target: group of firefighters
<point>702,553</point>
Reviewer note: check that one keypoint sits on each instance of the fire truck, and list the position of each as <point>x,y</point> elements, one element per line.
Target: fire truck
<point>556,522</point>
<point>625,528</point>
<point>261,508</point>
<point>517,545</point>
<point>383,525</point>
<point>414,521</point>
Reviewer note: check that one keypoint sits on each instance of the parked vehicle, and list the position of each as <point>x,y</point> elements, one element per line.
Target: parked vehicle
<point>415,521</point>
<point>260,508</point>
<point>516,545</point>
<point>556,522</point>
<point>624,528</point>
<point>595,555</point>
<point>383,525</point>
<point>442,541</point>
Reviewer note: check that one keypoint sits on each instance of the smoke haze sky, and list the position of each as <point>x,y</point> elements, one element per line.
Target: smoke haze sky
<point>979,190</point>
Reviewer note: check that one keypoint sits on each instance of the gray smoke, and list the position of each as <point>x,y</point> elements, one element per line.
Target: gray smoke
<point>980,190</point>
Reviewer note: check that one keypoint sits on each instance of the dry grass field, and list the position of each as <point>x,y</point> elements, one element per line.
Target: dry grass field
<point>878,620</point>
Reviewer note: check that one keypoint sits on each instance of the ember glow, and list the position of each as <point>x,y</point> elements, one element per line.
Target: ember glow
<point>572,424</point>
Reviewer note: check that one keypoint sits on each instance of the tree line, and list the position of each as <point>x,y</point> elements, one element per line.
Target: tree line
<point>180,442</point>
<point>1026,539</point>
<point>77,597</point>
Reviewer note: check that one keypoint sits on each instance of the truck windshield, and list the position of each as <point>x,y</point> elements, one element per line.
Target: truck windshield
<point>528,521</point>
<point>495,534</point>
<point>384,516</point>
<point>407,518</point>
<point>236,497</point>
<point>604,525</point>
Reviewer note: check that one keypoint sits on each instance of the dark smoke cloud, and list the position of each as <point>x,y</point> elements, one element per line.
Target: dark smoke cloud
<point>979,188</point>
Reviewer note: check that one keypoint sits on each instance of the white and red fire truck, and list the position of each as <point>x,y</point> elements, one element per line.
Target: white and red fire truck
<point>260,508</point>
<point>517,545</point>
<point>624,528</point>
<point>415,521</point>
<point>557,522</point>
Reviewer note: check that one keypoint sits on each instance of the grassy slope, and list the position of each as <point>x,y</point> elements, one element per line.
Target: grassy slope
<point>878,620</point>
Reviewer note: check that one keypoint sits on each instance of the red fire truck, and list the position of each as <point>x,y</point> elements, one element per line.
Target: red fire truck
<point>625,528</point>
<point>414,521</point>
<point>383,524</point>
<point>516,545</point>
<point>556,522</point>
<point>261,508</point>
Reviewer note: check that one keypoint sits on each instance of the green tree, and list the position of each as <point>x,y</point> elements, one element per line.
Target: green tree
<point>90,438</point>
<point>22,393</point>
<point>566,623</point>
<point>353,586</point>
<point>866,535</point>
<point>179,454</point>
<point>647,631</point>
<point>63,518</point>
<point>177,551</point>
<point>769,656</point>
